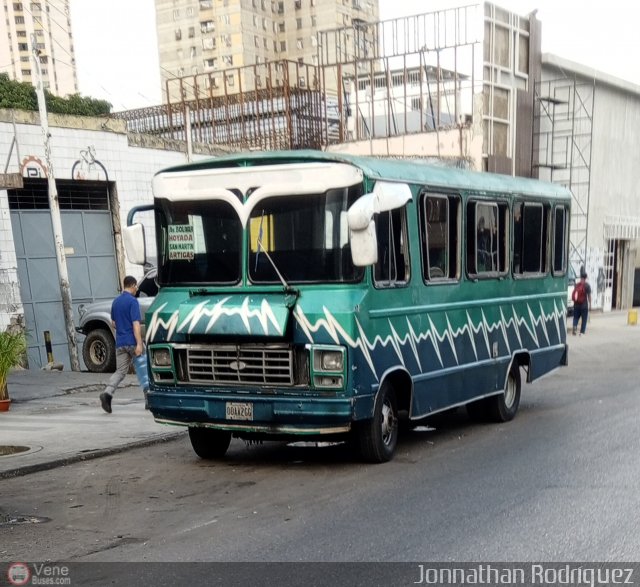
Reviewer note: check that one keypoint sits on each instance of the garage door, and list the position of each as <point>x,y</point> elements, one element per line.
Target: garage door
<point>90,251</point>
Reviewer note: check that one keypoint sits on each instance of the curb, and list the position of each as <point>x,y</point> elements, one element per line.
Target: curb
<point>91,388</point>
<point>87,456</point>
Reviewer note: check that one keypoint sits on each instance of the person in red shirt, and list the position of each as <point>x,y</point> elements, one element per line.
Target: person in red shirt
<point>581,297</point>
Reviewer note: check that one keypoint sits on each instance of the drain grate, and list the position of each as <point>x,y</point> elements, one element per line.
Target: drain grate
<point>9,520</point>
<point>8,450</point>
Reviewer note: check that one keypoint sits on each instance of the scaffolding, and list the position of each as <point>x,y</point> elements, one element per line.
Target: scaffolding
<point>391,78</point>
<point>562,143</point>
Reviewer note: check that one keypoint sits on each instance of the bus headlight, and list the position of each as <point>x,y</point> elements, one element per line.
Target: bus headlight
<point>327,367</point>
<point>331,360</point>
<point>161,357</point>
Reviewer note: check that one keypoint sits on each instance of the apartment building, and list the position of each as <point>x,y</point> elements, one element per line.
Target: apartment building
<point>50,22</point>
<point>211,36</point>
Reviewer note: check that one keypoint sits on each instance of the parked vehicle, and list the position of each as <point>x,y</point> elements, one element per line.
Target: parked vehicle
<point>99,347</point>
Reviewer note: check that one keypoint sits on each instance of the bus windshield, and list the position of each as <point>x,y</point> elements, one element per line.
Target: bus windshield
<point>306,237</point>
<point>199,242</point>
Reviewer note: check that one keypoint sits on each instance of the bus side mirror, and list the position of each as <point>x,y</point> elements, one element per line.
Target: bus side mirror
<point>362,230</point>
<point>134,244</point>
<point>386,196</point>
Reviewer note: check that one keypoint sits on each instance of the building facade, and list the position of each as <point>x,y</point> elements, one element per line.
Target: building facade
<point>587,132</point>
<point>101,173</point>
<point>50,23</point>
<point>216,36</point>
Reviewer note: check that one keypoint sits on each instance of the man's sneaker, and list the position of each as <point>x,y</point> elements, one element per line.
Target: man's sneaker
<point>105,400</point>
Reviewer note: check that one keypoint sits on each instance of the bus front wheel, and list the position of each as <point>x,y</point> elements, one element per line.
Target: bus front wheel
<point>209,443</point>
<point>377,438</point>
<point>503,407</point>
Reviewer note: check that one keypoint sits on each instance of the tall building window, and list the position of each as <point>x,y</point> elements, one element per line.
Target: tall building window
<point>178,34</point>
<point>298,23</point>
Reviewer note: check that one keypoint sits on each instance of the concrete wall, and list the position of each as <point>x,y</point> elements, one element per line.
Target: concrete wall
<point>463,143</point>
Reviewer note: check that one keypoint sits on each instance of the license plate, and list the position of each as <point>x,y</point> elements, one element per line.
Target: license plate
<point>239,411</point>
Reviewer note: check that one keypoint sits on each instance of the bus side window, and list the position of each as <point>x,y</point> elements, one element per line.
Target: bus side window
<point>487,238</point>
<point>529,238</point>
<point>560,240</point>
<point>393,249</point>
<point>440,222</point>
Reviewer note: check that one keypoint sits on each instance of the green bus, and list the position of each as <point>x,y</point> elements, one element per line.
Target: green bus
<point>322,295</point>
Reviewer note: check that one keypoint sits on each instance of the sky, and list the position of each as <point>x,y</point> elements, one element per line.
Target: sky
<point>117,56</point>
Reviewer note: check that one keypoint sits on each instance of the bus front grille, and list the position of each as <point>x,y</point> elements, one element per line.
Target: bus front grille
<point>240,364</point>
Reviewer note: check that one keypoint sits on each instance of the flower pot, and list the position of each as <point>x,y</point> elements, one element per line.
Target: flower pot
<point>4,405</point>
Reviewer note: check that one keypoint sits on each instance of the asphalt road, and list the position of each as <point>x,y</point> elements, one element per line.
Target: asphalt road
<point>559,483</point>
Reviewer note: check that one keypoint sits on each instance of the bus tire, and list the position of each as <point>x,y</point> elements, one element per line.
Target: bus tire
<point>478,411</point>
<point>377,438</point>
<point>208,443</point>
<point>503,407</point>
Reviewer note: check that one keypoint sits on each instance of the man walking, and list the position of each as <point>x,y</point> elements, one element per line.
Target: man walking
<point>581,297</point>
<point>125,315</point>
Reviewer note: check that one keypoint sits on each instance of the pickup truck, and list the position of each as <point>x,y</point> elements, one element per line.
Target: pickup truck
<point>99,347</point>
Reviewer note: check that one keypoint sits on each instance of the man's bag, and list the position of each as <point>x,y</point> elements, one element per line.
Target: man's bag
<point>140,366</point>
<point>579,295</point>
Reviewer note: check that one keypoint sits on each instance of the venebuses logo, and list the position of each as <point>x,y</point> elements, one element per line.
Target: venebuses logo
<point>18,574</point>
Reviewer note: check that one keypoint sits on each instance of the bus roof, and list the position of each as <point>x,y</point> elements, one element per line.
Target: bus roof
<point>406,170</point>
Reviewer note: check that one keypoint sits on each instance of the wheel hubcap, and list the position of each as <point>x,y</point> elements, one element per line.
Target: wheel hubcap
<point>98,353</point>
<point>510,392</point>
<point>389,423</point>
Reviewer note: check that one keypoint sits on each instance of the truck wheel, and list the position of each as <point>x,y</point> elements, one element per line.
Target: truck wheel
<point>208,443</point>
<point>377,438</point>
<point>99,351</point>
<point>503,407</point>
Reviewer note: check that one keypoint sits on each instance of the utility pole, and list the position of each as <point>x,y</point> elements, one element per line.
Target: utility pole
<point>56,222</point>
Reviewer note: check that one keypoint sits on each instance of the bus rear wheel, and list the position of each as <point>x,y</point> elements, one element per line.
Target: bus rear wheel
<point>503,407</point>
<point>208,443</point>
<point>377,438</point>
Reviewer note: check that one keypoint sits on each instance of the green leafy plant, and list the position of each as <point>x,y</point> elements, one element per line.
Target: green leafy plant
<point>22,96</point>
<point>13,346</point>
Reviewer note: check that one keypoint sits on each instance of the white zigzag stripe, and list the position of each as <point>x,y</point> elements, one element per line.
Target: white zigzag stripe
<point>333,328</point>
<point>338,334</point>
<point>264,315</point>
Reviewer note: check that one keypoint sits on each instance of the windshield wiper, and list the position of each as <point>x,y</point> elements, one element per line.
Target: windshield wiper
<point>286,286</point>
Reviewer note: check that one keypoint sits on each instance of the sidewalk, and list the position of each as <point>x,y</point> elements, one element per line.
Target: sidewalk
<point>56,419</point>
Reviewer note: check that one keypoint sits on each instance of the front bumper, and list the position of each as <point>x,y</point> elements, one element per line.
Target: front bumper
<point>272,414</point>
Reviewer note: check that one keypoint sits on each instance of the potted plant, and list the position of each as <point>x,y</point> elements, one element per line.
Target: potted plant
<point>13,345</point>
